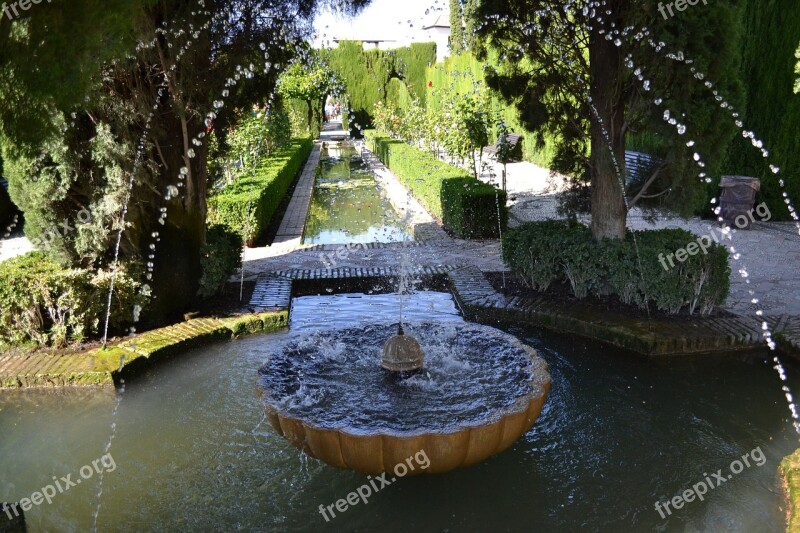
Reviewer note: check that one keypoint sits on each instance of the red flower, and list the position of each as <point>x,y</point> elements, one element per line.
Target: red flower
<point>430,84</point>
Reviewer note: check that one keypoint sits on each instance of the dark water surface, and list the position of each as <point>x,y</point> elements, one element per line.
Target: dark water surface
<point>193,452</point>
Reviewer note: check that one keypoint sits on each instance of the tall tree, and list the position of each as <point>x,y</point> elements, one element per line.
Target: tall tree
<point>456,27</point>
<point>118,71</point>
<point>573,69</point>
<point>772,110</point>
<point>311,80</point>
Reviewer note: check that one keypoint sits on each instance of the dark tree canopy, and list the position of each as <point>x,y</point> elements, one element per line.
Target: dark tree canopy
<point>80,81</point>
<point>556,56</point>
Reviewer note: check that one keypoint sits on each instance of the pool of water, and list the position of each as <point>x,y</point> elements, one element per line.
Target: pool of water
<point>473,375</point>
<point>347,205</point>
<point>193,452</point>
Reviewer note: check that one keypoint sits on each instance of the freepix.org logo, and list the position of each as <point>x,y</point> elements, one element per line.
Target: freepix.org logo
<point>680,5</point>
<point>12,10</point>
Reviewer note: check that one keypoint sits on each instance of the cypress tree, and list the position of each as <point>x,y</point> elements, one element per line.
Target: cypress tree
<point>568,77</point>
<point>473,43</point>
<point>456,27</point>
<point>772,110</point>
<point>368,75</point>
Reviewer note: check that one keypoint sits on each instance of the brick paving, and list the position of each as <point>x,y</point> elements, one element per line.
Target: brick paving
<point>478,300</point>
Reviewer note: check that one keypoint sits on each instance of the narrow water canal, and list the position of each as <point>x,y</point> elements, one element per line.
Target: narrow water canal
<point>347,205</point>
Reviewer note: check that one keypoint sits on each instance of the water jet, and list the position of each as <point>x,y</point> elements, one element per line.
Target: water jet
<point>479,391</point>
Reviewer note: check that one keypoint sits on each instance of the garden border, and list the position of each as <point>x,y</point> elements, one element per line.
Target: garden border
<point>104,367</point>
<point>475,296</point>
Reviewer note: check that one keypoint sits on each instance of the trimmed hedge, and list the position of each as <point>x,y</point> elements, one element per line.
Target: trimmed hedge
<point>45,304</point>
<point>248,205</point>
<point>466,206</point>
<point>542,253</point>
<point>221,256</point>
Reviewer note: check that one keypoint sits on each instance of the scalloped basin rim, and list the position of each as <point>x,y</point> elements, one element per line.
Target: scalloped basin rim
<point>540,386</point>
<point>379,451</point>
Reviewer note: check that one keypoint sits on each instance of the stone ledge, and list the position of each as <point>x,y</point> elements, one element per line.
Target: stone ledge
<point>657,337</point>
<point>101,367</point>
<point>789,470</point>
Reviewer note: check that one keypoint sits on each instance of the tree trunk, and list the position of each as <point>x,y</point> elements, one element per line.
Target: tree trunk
<point>609,213</point>
<point>177,262</point>
<point>311,123</point>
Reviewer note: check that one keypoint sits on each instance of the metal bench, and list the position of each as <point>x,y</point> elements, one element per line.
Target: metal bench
<point>514,144</point>
<point>639,166</point>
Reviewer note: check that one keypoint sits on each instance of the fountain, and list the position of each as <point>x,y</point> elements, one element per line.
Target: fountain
<point>402,355</point>
<point>333,395</point>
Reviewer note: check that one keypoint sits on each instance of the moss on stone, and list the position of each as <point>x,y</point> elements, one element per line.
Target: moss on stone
<point>101,366</point>
<point>790,472</point>
<point>260,323</point>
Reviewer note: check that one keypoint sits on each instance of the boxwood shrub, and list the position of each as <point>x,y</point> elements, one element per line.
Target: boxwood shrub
<point>543,253</point>
<point>467,207</point>
<point>248,205</point>
<point>222,255</point>
<point>44,304</point>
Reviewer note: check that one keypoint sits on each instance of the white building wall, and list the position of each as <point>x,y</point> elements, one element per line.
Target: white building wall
<point>440,36</point>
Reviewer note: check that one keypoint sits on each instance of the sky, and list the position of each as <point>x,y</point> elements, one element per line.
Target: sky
<point>383,19</point>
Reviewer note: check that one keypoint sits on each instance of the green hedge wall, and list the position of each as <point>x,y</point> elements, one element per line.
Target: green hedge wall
<point>552,251</point>
<point>248,205</point>
<point>467,207</point>
<point>772,110</point>
<point>368,75</point>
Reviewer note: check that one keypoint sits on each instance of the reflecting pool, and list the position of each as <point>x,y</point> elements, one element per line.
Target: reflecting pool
<point>347,205</point>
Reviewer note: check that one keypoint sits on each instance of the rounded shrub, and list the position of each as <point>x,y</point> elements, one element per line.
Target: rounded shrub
<point>222,255</point>
<point>44,304</point>
<point>547,252</point>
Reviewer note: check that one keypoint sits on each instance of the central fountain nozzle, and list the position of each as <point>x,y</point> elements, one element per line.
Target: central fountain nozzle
<point>402,353</point>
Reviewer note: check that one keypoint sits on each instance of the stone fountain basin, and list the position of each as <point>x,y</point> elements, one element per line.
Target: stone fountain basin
<point>460,446</point>
<point>375,454</point>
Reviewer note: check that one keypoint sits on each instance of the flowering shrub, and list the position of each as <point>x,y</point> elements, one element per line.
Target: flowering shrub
<point>387,119</point>
<point>461,127</point>
<point>44,304</point>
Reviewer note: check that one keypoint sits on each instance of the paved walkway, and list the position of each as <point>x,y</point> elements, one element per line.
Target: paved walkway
<point>290,232</point>
<point>769,251</point>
